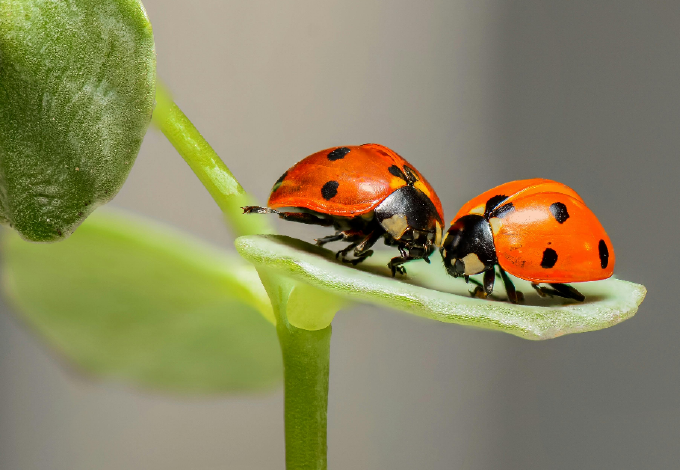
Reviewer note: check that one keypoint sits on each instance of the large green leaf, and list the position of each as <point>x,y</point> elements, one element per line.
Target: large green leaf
<point>129,301</point>
<point>76,96</point>
<point>429,292</point>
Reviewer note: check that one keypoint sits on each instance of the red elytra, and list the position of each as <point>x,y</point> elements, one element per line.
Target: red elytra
<point>363,176</point>
<point>536,229</point>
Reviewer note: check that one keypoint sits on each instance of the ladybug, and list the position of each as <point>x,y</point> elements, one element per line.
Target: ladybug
<point>365,192</point>
<point>537,230</point>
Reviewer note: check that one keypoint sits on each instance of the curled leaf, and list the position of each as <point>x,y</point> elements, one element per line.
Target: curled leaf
<point>427,291</point>
<point>77,83</point>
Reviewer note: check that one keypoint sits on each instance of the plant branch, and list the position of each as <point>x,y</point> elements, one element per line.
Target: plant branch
<point>206,164</point>
<point>306,360</point>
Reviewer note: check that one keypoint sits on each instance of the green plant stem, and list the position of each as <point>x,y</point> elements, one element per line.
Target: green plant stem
<point>306,354</point>
<point>206,164</point>
<point>306,359</point>
<point>195,150</point>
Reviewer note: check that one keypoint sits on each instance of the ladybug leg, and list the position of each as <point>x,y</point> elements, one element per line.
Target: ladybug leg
<point>362,250</point>
<point>478,291</point>
<point>514,296</point>
<point>540,290</point>
<point>560,290</point>
<point>395,263</point>
<point>342,254</point>
<point>330,238</point>
<point>568,292</point>
<point>483,289</point>
<point>489,278</point>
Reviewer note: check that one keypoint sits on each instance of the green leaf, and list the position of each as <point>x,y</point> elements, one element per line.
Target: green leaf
<point>130,301</point>
<point>427,291</point>
<point>76,96</point>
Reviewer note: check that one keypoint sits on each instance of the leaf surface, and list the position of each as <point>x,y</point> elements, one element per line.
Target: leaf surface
<point>427,291</point>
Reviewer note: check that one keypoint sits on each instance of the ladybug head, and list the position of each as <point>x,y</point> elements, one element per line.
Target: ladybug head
<point>410,218</point>
<point>468,247</point>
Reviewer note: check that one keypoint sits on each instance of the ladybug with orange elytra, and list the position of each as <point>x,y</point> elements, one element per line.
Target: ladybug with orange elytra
<point>538,230</point>
<point>365,193</point>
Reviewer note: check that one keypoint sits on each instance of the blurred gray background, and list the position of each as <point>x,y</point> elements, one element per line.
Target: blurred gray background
<point>474,93</point>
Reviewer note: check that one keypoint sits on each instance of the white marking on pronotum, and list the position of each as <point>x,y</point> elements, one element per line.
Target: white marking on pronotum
<point>472,264</point>
<point>396,225</point>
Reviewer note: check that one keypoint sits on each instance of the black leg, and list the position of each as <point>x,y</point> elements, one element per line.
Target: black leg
<point>489,278</point>
<point>395,264</point>
<point>361,248</point>
<point>560,290</point>
<point>301,217</point>
<point>568,292</point>
<point>330,238</point>
<point>514,295</point>
<point>342,254</point>
<point>539,290</point>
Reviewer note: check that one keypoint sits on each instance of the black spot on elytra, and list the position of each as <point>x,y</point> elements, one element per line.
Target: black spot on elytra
<point>338,153</point>
<point>504,210</point>
<point>604,254</point>
<point>549,258</point>
<point>329,190</point>
<point>559,211</point>
<point>396,171</point>
<point>492,203</point>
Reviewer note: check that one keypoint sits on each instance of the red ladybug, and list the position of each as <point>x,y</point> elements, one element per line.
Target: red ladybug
<point>538,230</point>
<point>365,192</point>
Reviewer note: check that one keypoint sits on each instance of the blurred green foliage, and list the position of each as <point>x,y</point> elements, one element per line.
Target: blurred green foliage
<point>135,302</point>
